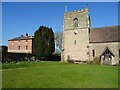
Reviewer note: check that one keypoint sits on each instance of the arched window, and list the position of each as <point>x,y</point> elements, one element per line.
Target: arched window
<point>93,53</point>
<point>119,53</point>
<point>75,22</point>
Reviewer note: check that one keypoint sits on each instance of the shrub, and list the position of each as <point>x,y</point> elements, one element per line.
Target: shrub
<point>91,62</point>
<point>96,60</point>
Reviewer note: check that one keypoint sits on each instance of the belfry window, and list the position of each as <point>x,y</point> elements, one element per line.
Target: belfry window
<point>75,22</point>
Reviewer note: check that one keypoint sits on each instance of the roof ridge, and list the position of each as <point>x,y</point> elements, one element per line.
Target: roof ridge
<point>105,27</point>
<point>21,38</point>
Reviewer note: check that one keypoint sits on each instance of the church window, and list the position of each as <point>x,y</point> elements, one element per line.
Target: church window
<point>93,53</point>
<point>75,21</point>
<point>88,53</point>
<point>89,30</point>
<point>119,53</point>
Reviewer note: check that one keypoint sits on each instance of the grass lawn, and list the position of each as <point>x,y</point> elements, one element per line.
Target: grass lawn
<point>59,75</point>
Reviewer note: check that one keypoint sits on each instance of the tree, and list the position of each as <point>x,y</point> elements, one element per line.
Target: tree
<point>58,40</point>
<point>44,44</point>
<point>3,53</point>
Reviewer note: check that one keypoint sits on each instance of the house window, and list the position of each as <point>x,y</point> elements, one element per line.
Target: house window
<point>93,53</point>
<point>12,43</point>
<point>12,47</point>
<point>18,42</point>
<point>75,21</point>
<point>18,47</point>
<point>26,47</point>
<point>26,42</point>
<point>119,53</point>
<point>75,42</point>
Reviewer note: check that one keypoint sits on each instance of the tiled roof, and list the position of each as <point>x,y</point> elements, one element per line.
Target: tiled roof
<point>21,38</point>
<point>105,34</point>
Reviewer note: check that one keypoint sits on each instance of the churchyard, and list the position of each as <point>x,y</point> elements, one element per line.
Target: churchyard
<point>50,74</point>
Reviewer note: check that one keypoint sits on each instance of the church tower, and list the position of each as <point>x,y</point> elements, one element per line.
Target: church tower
<point>75,45</point>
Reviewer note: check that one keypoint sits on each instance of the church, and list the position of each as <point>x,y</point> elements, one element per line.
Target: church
<point>83,43</point>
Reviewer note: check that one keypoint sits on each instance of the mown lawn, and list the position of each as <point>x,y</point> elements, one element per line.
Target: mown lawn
<point>59,75</point>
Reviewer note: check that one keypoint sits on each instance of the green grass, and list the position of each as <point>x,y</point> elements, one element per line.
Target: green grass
<point>59,75</point>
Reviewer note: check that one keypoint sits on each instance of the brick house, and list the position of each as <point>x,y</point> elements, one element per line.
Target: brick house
<point>21,44</point>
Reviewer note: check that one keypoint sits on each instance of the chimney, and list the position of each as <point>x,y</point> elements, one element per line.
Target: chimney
<point>26,34</point>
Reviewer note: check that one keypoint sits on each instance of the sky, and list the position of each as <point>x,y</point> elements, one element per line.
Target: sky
<point>26,17</point>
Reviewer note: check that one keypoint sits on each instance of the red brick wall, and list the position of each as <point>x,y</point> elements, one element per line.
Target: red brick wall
<point>22,44</point>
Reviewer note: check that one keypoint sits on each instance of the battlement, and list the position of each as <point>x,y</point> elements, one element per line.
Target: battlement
<point>76,11</point>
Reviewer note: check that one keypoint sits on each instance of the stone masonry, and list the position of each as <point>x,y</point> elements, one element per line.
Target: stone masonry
<point>81,42</point>
<point>76,35</point>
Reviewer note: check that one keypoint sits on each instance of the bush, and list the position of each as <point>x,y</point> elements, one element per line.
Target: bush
<point>55,57</point>
<point>91,62</point>
<point>96,60</point>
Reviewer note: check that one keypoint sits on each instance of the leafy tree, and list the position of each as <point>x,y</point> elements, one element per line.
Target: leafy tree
<point>3,53</point>
<point>44,44</point>
<point>58,40</point>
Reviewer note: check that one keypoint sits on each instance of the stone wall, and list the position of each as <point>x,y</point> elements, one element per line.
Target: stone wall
<point>100,47</point>
<point>76,39</point>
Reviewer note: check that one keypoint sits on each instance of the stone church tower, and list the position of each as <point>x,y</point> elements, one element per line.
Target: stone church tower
<point>76,30</point>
